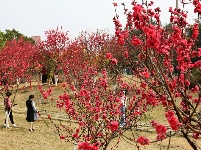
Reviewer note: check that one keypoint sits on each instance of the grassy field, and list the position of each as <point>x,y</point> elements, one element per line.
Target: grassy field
<point>44,137</point>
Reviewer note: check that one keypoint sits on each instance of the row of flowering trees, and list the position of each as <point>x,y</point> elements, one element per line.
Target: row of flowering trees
<point>160,60</point>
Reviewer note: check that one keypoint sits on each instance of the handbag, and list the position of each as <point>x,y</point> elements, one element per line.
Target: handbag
<point>35,116</point>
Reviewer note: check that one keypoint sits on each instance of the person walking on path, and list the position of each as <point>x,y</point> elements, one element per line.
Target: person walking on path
<point>31,112</point>
<point>8,110</point>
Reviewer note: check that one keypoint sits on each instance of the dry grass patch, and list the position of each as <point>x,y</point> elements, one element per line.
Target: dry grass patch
<point>44,137</point>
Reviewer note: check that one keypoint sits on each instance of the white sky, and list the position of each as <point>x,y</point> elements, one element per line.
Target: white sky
<point>33,17</point>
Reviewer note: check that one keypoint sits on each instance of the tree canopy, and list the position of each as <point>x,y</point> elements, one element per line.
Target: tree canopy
<point>13,34</point>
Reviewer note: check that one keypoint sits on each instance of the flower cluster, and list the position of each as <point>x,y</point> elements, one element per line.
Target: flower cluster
<point>87,146</point>
<point>113,126</point>
<point>160,130</point>
<point>143,140</point>
<point>173,121</point>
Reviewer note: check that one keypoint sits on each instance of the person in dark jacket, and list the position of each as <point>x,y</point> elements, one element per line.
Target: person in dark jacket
<point>31,112</point>
<point>44,75</point>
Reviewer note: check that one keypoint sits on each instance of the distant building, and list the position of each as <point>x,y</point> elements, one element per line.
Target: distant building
<point>37,39</point>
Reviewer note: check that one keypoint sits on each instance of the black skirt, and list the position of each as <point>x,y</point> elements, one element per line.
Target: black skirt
<point>30,116</point>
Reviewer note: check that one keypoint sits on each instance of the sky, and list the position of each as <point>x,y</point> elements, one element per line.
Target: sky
<point>34,17</point>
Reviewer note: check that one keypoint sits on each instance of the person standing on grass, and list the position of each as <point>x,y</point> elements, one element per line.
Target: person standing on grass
<point>31,112</point>
<point>44,75</point>
<point>8,110</point>
<point>123,108</point>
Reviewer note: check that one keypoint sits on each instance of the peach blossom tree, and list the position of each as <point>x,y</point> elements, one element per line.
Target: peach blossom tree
<point>164,63</point>
<point>51,50</point>
<point>18,59</point>
<point>89,100</point>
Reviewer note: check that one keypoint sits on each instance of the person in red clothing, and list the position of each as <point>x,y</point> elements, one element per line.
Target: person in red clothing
<point>8,110</point>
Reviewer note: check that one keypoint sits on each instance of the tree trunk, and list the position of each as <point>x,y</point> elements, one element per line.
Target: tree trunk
<point>193,145</point>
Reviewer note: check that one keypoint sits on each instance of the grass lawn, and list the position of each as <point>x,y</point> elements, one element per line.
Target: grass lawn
<point>44,137</point>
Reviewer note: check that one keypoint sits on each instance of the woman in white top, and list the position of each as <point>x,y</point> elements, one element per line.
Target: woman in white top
<point>123,108</point>
<point>31,112</point>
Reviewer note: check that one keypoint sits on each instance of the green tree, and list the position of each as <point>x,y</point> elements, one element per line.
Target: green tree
<point>2,39</point>
<point>9,35</point>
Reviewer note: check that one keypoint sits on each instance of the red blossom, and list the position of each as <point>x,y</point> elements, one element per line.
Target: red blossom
<point>108,55</point>
<point>146,74</point>
<point>153,123</point>
<point>173,121</point>
<point>199,52</point>
<point>160,137</point>
<point>168,114</point>
<point>118,100</point>
<point>195,31</point>
<point>141,56</point>
<point>63,85</point>
<point>115,4</point>
<point>75,135</point>
<point>114,61</point>
<point>197,100</point>
<point>160,129</point>
<point>196,136</point>
<point>104,72</point>
<point>113,126</point>
<point>62,137</point>
<point>143,140</point>
<point>87,146</point>
<point>135,41</point>
<point>126,54</point>
<point>150,3</point>
<point>143,85</point>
